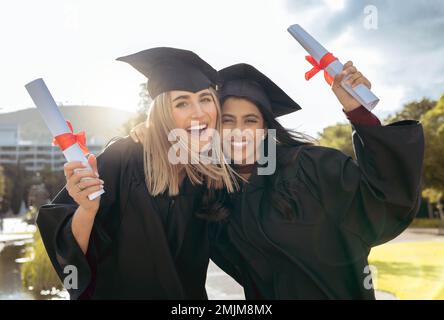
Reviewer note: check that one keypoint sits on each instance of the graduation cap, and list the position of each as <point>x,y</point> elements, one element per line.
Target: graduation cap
<point>172,69</point>
<point>244,81</point>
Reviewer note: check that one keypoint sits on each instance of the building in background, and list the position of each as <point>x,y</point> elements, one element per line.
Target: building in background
<point>25,138</point>
<point>34,157</point>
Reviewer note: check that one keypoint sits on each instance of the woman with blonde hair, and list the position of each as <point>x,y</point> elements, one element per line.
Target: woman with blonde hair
<point>141,238</point>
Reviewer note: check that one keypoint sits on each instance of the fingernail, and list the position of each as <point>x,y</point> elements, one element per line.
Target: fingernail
<point>101,181</point>
<point>85,164</point>
<point>97,174</point>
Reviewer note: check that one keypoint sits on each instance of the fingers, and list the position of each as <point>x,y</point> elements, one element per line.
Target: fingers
<point>78,191</point>
<point>367,83</point>
<point>338,79</point>
<point>79,180</point>
<point>348,64</point>
<point>351,75</point>
<point>81,174</point>
<point>346,70</point>
<point>361,80</point>
<point>69,167</point>
<point>349,71</point>
<point>81,197</point>
<point>86,192</point>
<point>86,183</point>
<point>356,78</point>
<point>92,160</point>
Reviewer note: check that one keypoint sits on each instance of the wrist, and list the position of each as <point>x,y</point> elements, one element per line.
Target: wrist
<point>86,213</point>
<point>350,108</point>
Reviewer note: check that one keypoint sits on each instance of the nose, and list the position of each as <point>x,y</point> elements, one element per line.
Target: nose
<point>197,110</point>
<point>240,134</point>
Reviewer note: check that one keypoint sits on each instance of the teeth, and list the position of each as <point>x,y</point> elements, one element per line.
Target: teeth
<point>239,144</point>
<point>200,127</point>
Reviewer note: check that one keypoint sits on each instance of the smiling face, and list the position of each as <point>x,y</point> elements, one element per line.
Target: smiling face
<point>196,113</point>
<point>242,122</point>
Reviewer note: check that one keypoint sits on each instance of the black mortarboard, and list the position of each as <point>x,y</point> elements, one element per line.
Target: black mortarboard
<point>245,81</point>
<point>172,69</point>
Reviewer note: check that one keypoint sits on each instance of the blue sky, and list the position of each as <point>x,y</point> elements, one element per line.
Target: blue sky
<point>73,46</point>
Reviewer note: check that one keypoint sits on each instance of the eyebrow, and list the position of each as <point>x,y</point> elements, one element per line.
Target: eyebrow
<point>204,94</point>
<point>186,96</point>
<point>251,115</point>
<point>246,116</point>
<point>181,97</point>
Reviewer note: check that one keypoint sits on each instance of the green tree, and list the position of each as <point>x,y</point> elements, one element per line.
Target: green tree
<point>18,190</point>
<point>2,182</point>
<point>338,137</point>
<point>2,190</point>
<point>413,110</point>
<point>38,273</point>
<point>54,181</point>
<point>431,115</point>
<point>13,187</point>
<point>433,124</point>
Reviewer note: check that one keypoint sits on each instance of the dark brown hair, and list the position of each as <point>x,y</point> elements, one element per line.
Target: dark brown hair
<point>216,204</point>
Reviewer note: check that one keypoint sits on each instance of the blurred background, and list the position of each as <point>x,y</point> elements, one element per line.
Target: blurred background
<point>398,45</point>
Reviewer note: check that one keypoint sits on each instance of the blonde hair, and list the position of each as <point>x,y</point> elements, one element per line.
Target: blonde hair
<point>160,173</point>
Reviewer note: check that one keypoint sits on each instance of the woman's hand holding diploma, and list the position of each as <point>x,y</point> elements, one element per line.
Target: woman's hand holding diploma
<point>80,183</point>
<point>353,77</point>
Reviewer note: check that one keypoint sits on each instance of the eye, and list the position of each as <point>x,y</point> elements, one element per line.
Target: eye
<point>206,100</point>
<point>181,105</point>
<point>227,120</point>
<point>251,121</point>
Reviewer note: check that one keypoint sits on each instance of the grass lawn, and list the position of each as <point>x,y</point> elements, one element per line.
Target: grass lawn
<point>410,270</point>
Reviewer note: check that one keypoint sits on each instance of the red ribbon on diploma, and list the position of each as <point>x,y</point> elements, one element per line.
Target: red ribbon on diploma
<point>323,63</point>
<point>66,140</point>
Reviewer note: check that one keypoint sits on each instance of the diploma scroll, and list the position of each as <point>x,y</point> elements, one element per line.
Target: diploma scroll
<point>333,66</point>
<point>57,124</point>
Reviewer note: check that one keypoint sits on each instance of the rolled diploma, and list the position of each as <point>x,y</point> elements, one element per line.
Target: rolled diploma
<point>317,51</point>
<point>56,123</point>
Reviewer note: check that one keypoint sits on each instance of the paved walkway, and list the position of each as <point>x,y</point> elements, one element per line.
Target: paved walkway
<point>419,234</point>
<point>221,286</point>
<point>15,229</point>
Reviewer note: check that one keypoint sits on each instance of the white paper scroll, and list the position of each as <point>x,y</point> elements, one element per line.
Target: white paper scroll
<point>317,51</point>
<point>56,123</point>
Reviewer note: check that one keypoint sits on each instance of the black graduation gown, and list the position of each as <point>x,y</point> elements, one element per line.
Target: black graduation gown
<point>141,247</point>
<point>342,208</point>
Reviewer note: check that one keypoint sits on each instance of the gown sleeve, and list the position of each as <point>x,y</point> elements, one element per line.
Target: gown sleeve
<point>378,195</point>
<point>362,116</point>
<point>54,223</point>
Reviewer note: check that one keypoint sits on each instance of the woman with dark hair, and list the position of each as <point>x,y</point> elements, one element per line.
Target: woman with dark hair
<point>305,231</point>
